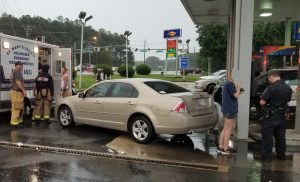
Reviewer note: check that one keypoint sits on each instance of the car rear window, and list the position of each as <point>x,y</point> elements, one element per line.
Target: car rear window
<point>165,87</point>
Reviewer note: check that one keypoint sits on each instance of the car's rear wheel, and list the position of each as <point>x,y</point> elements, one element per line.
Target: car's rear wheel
<point>65,117</point>
<point>141,129</point>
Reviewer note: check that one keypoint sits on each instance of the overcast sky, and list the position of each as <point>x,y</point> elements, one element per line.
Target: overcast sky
<point>146,19</point>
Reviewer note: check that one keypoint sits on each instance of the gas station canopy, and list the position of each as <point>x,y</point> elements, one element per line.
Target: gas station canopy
<point>218,11</point>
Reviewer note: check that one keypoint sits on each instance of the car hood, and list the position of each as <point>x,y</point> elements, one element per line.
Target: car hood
<point>208,77</point>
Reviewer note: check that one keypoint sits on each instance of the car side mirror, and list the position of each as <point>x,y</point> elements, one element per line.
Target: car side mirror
<point>81,95</point>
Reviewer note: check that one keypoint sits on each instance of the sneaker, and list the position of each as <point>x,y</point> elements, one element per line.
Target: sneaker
<point>219,150</point>
<point>229,152</point>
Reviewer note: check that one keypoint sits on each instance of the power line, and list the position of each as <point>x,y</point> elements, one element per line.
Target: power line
<point>18,7</point>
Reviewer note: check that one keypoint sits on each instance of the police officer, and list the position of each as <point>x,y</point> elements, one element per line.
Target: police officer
<point>274,101</point>
<point>45,92</point>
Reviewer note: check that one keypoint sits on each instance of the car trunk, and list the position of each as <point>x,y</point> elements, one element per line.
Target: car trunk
<point>197,103</point>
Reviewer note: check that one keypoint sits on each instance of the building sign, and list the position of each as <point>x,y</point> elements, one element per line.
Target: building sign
<point>184,63</point>
<point>19,51</point>
<point>172,33</point>
<point>297,31</point>
<point>171,48</point>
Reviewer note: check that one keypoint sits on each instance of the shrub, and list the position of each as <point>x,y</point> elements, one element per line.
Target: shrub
<point>107,70</point>
<point>122,71</point>
<point>143,69</point>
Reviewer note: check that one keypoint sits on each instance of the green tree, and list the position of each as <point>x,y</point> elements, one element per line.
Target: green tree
<point>107,69</point>
<point>65,33</point>
<point>122,71</point>
<point>265,34</point>
<point>155,63</point>
<point>143,69</point>
<point>103,57</point>
<point>213,42</point>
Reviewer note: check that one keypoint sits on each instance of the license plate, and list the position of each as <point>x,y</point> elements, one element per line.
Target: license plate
<point>203,102</point>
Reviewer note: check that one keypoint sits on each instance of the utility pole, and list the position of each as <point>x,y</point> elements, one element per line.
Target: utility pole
<point>27,30</point>
<point>144,51</point>
<point>74,55</point>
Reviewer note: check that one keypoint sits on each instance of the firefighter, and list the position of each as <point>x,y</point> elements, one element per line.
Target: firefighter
<point>17,94</point>
<point>34,109</point>
<point>274,101</point>
<point>44,96</point>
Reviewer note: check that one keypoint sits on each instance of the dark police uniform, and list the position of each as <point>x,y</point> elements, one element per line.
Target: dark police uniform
<point>45,92</point>
<point>276,95</point>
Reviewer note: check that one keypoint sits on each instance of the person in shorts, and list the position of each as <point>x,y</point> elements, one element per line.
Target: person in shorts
<point>230,95</point>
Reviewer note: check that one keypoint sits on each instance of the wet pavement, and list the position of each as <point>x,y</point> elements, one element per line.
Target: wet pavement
<point>18,164</point>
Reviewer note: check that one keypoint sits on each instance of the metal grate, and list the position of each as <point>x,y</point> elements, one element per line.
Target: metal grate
<point>41,148</point>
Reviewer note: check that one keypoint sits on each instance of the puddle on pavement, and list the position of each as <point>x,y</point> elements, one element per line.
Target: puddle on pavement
<point>176,148</point>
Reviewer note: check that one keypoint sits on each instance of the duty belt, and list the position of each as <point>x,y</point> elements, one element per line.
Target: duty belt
<point>270,111</point>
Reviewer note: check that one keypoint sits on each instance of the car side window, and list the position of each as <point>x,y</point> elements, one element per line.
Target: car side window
<point>290,78</point>
<point>124,90</point>
<point>99,90</point>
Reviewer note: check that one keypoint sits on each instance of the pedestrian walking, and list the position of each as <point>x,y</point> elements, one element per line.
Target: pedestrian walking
<point>64,92</point>
<point>44,96</point>
<point>274,102</point>
<point>17,94</point>
<point>230,95</point>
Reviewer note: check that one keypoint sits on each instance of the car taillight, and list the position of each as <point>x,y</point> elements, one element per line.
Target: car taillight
<point>180,108</point>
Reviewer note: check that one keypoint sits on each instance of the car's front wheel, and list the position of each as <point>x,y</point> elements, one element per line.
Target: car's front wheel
<point>65,117</point>
<point>141,129</point>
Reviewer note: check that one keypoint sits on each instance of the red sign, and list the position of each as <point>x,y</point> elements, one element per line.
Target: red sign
<point>171,44</point>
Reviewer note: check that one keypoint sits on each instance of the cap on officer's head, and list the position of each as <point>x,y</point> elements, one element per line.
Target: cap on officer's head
<point>18,63</point>
<point>45,68</point>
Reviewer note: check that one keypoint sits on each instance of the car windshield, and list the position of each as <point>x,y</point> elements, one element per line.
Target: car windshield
<point>217,73</point>
<point>221,77</point>
<point>165,87</point>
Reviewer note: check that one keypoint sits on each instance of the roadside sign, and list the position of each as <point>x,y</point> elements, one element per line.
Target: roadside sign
<point>184,63</point>
<point>297,31</point>
<point>172,33</point>
<point>171,48</point>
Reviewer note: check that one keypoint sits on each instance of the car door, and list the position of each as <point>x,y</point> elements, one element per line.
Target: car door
<point>120,103</point>
<point>89,108</point>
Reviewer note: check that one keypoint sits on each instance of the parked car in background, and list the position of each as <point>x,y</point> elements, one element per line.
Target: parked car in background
<point>140,106</point>
<point>207,83</point>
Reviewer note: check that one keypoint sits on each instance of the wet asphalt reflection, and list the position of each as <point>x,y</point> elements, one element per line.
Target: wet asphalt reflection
<point>29,165</point>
